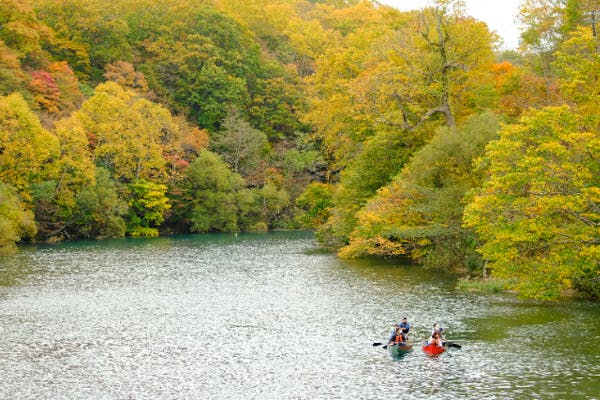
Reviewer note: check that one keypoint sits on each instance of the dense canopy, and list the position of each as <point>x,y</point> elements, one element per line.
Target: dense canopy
<point>391,134</point>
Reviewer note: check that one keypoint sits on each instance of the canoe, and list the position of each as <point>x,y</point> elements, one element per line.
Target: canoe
<point>400,349</point>
<point>432,349</point>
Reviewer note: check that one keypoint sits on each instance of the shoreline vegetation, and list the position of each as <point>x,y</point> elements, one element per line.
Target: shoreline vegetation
<point>388,133</point>
<point>485,285</point>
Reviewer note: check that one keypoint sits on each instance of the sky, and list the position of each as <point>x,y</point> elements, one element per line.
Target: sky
<point>499,15</point>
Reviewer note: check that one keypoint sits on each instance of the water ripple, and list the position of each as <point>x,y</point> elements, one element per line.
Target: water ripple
<point>269,317</point>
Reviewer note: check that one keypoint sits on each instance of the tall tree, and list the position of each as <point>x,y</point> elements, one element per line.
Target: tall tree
<point>240,145</point>
<point>28,152</point>
<point>537,214</point>
<point>212,189</point>
<point>128,134</point>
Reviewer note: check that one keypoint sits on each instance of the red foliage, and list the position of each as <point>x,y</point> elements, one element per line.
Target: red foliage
<point>45,90</point>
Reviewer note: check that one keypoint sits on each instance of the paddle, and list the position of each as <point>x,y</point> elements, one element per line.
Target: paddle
<point>454,345</point>
<point>379,344</point>
<point>386,346</point>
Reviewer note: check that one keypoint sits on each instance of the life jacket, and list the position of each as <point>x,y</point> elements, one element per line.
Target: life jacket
<point>398,338</point>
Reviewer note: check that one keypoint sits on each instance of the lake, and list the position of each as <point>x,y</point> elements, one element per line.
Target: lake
<point>271,316</point>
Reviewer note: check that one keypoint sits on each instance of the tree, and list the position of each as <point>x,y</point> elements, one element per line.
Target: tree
<point>578,63</point>
<point>70,96</point>
<point>419,214</point>
<point>537,213</point>
<point>45,91</point>
<point>211,189</point>
<point>12,78</point>
<point>56,204</point>
<point>379,159</point>
<point>100,210</point>
<point>28,152</point>
<point>316,202</point>
<point>147,206</point>
<point>16,222</point>
<point>440,67</point>
<point>549,22</point>
<point>128,134</point>
<point>240,145</point>
<point>22,31</point>
<point>125,75</point>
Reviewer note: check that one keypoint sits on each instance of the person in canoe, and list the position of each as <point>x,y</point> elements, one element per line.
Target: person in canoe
<point>437,328</point>
<point>397,337</point>
<point>436,335</point>
<point>436,339</point>
<point>405,326</point>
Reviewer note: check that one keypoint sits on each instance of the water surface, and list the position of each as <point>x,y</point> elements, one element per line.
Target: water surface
<point>270,316</point>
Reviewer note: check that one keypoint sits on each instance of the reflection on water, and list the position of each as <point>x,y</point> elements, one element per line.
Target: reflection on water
<point>270,316</point>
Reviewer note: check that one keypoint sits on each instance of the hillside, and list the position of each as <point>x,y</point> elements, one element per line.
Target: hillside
<point>392,134</point>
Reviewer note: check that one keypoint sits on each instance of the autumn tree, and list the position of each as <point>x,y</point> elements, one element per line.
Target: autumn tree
<point>128,134</point>
<point>240,145</point>
<point>28,152</point>
<point>70,95</point>
<point>419,214</point>
<point>124,73</point>
<point>147,205</point>
<point>45,91</point>
<point>548,22</point>
<point>537,213</point>
<point>16,222</point>
<point>23,32</point>
<point>100,209</point>
<point>578,63</point>
<point>12,78</point>
<point>57,207</point>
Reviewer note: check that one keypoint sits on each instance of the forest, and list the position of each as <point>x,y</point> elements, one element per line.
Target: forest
<point>393,134</point>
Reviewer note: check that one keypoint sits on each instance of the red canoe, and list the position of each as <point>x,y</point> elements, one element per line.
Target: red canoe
<point>433,349</point>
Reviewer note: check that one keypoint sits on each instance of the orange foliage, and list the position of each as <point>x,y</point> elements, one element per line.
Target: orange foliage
<point>520,89</point>
<point>192,142</point>
<point>68,85</point>
<point>45,91</point>
<point>125,74</point>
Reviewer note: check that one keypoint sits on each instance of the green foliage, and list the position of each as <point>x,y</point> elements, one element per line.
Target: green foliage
<point>209,94</point>
<point>212,189</point>
<point>100,211</point>
<point>537,214</point>
<point>147,206</point>
<point>419,214</point>
<point>16,222</point>
<point>380,158</point>
<point>273,201</point>
<point>483,285</point>
<point>241,146</point>
<point>316,202</point>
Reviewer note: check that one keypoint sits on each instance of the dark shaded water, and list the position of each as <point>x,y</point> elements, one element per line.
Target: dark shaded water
<point>270,316</point>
